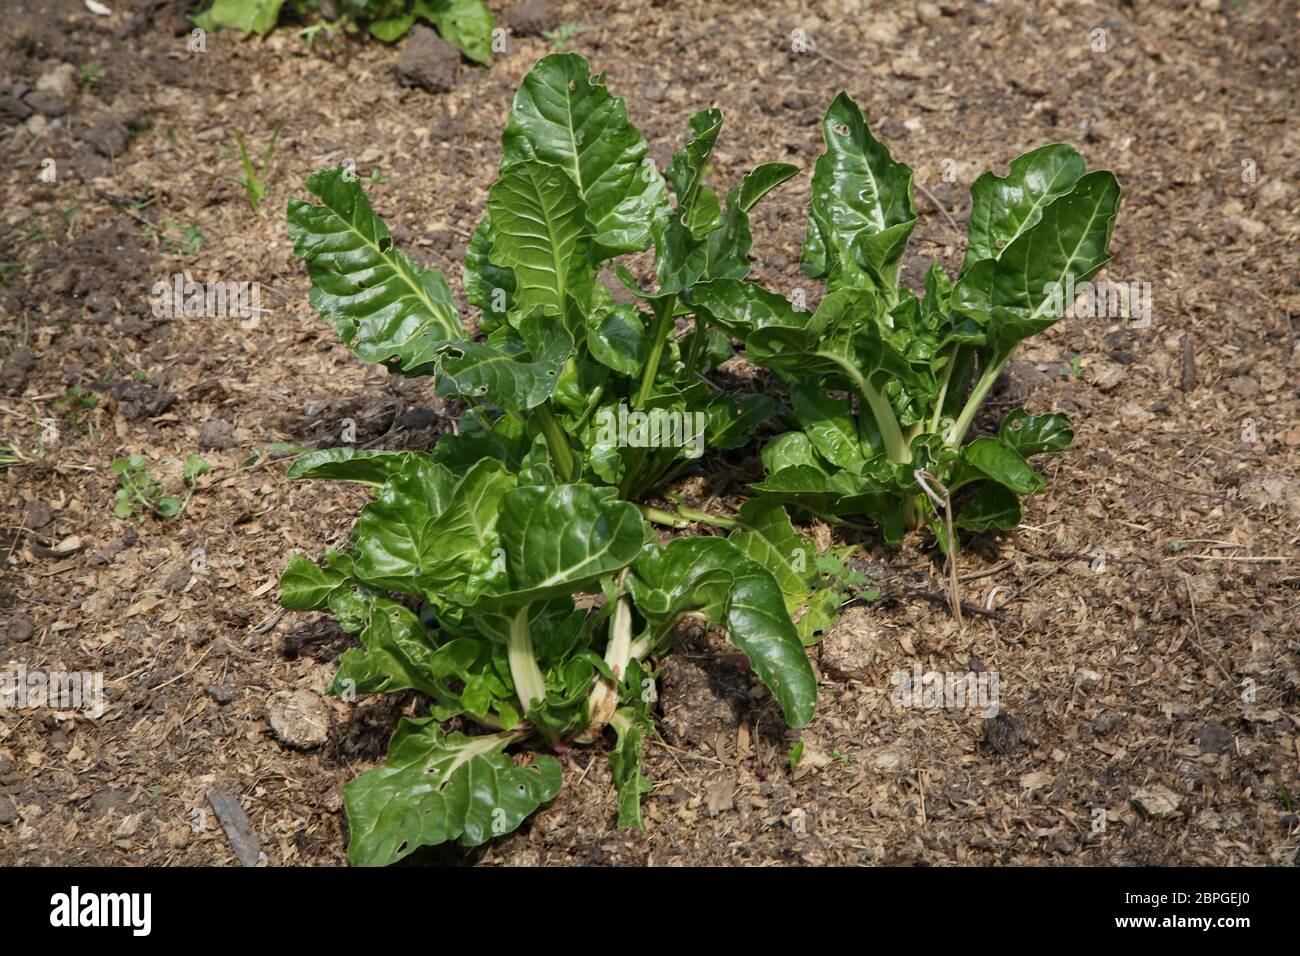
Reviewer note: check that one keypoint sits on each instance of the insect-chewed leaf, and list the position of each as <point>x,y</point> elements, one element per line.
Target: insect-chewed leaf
<point>862,209</point>
<point>1004,207</point>
<point>1023,291</point>
<point>1034,434</point>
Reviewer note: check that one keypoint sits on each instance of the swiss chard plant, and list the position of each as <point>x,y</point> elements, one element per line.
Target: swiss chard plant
<point>577,372</point>
<point>465,24</point>
<point>495,597</point>
<point>885,385</point>
<point>508,574</point>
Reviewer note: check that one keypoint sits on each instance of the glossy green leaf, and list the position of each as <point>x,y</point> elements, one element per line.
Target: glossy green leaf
<point>565,117</point>
<point>733,419</point>
<point>436,787</point>
<point>862,210</point>
<point>993,506</point>
<point>1019,293</point>
<point>387,31</point>
<point>1004,207</point>
<point>560,539</point>
<point>711,576</point>
<point>383,306</point>
<point>830,426</point>
<point>306,586</point>
<point>425,528</point>
<point>741,308</point>
<point>501,374</point>
<point>995,459</point>
<point>541,233</point>
<point>366,466</point>
<point>681,249</point>
<point>789,450</point>
<point>1034,434</point>
<point>617,339</point>
<point>487,286</point>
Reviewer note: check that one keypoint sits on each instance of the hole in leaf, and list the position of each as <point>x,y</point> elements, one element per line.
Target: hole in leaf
<point>385,243</point>
<point>840,129</point>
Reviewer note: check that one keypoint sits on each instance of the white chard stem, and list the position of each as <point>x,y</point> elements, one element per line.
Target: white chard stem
<point>530,685</point>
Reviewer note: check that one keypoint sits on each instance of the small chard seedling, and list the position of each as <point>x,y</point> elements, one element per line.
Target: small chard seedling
<point>916,370</point>
<point>140,492</point>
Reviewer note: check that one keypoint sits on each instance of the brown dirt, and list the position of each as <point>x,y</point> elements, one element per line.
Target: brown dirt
<point>1175,667</point>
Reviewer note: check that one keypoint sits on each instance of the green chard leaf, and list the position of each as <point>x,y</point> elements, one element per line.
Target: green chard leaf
<point>362,465</point>
<point>436,787</point>
<point>713,577</point>
<point>565,117</point>
<point>465,24</point>
<point>1004,207</point>
<point>1022,291</point>
<point>383,306</point>
<point>540,232</point>
<point>1034,434</point>
<point>862,210</point>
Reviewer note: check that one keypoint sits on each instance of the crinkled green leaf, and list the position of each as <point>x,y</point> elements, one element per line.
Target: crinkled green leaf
<point>487,286</point>
<point>565,117</point>
<point>383,306</point>
<point>435,787</point>
<point>1002,207</point>
<point>560,539</point>
<point>540,232</point>
<point>713,577</point>
<point>993,506</point>
<point>1018,294</point>
<point>1034,434</point>
<point>617,339</point>
<point>631,726</point>
<point>306,586</point>
<point>367,466</point>
<point>426,529</point>
<point>740,308</point>
<point>788,450</point>
<point>830,426</point>
<point>994,458</point>
<point>861,211</point>
<point>499,373</point>
<point>733,419</point>
<point>681,250</point>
